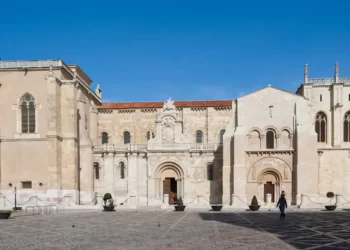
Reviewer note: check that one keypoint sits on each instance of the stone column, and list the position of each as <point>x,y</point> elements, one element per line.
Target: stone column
<point>53,134</point>
<point>108,172</point>
<point>132,175</point>
<point>262,142</point>
<point>94,125</point>
<point>278,139</point>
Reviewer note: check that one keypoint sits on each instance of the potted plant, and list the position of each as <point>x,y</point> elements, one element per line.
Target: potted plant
<point>216,208</point>
<point>179,205</point>
<point>330,207</point>
<point>5,214</point>
<point>108,202</point>
<point>254,206</point>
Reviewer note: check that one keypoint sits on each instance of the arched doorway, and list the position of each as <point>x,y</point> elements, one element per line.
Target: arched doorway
<point>169,178</point>
<point>269,182</point>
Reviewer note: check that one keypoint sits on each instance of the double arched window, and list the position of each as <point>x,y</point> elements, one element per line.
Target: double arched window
<point>126,137</point>
<point>28,114</point>
<point>321,127</point>
<point>347,127</point>
<point>199,136</point>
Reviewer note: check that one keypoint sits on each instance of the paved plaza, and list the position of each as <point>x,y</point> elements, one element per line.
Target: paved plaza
<point>176,230</point>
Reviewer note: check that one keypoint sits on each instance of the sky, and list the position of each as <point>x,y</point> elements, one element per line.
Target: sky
<point>184,50</point>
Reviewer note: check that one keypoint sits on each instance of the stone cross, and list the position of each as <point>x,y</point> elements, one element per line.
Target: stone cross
<point>270,107</point>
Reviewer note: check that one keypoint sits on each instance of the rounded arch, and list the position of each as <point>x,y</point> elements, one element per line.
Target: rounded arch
<point>168,165</point>
<point>126,136</point>
<point>199,136</point>
<point>269,171</point>
<point>255,129</point>
<point>271,128</point>
<point>320,112</point>
<point>262,169</point>
<point>287,129</point>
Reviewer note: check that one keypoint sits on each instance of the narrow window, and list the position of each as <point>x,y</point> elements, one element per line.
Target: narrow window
<point>321,127</point>
<point>199,136</point>
<point>222,132</point>
<point>26,184</point>
<point>122,170</point>
<point>347,127</point>
<point>320,98</point>
<point>270,139</point>
<point>349,97</point>
<point>150,135</point>
<point>210,172</point>
<point>97,170</point>
<point>126,136</point>
<point>28,114</point>
<point>104,136</point>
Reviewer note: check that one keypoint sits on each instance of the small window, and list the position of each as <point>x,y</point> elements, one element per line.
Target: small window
<point>210,172</point>
<point>26,184</point>
<point>97,170</point>
<point>349,97</point>
<point>150,135</point>
<point>127,137</point>
<point>122,170</point>
<point>320,98</point>
<point>199,136</point>
<point>104,138</point>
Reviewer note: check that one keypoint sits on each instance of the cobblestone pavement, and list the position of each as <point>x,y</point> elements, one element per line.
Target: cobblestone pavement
<point>176,230</point>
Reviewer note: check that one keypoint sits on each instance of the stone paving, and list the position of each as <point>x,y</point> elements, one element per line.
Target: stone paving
<point>176,230</point>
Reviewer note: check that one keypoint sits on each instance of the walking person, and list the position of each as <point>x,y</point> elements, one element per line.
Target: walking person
<point>282,203</point>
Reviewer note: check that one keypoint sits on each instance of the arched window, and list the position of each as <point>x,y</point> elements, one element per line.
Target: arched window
<point>104,136</point>
<point>127,137</point>
<point>97,170</point>
<point>270,139</point>
<point>210,172</point>
<point>199,136</point>
<point>122,170</point>
<point>347,127</point>
<point>28,114</point>
<point>321,127</point>
<point>222,132</point>
<point>150,135</point>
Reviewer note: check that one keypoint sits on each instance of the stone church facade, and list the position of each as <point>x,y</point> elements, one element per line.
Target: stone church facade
<point>59,143</point>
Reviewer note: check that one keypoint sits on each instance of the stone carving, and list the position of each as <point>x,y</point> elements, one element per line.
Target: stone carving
<point>285,172</point>
<point>169,105</point>
<point>253,174</point>
<point>168,130</point>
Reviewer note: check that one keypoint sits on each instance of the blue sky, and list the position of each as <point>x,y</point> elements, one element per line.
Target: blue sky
<point>186,50</point>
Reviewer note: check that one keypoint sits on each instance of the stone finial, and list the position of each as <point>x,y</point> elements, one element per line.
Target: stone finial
<point>306,73</point>
<point>336,73</point>
<point>75,76</point>
<point>98,91</point>
<point>269,85</point>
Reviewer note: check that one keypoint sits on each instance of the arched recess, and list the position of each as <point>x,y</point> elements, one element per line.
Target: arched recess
<point>269,175</point>
<point>254,139</point>
<point>169,180</point>
<point>346,127</point>
<point>285,139</point>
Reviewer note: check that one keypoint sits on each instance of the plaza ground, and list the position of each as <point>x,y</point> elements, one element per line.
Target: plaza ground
<point>201,229</point>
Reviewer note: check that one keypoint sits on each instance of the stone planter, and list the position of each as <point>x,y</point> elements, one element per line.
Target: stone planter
<point>180,208</point>
<point>5,214</point>
<point>108,208</point>
<point>216,208</point>
<point>331,207</point>
<point>254,207</point>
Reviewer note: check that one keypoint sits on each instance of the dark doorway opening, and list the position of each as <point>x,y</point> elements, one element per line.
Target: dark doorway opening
<point>269,188</point>
<point>170,188</point>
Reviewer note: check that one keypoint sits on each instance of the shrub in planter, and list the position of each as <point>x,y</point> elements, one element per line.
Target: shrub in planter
<point>179,205</point>
<point>330,207</point>
<point>109,203</point>
<point>5,214</point>
<point>254,206</point>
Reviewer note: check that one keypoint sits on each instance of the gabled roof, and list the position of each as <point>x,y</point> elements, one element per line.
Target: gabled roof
<point>269,86</point>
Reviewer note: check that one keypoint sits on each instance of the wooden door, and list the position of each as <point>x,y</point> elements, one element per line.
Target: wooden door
<point>269,188</point>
